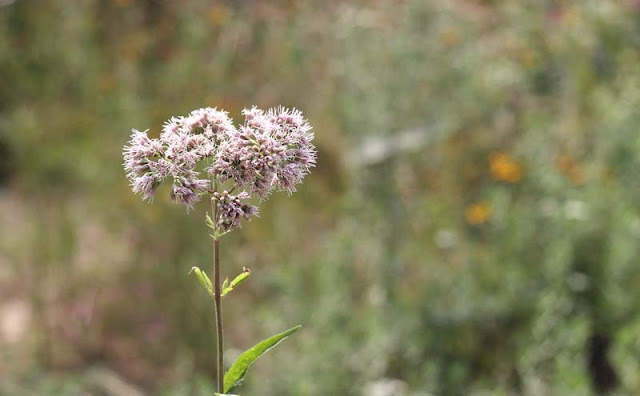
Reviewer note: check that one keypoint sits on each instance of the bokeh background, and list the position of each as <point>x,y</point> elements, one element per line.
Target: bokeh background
<point>472,226</point>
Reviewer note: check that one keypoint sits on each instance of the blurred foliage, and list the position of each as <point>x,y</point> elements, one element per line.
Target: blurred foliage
<point>471,227</point>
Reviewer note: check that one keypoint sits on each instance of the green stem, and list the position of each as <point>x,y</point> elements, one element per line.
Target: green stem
<point>218,306</point>
<point>218,303</point>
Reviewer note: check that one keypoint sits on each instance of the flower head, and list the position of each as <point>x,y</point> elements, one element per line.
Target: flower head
<point>505,168</point>
<point>232,209</point>
<point>271,151</point>
<point>141,157</point>
<point>299,154</point>
<point>477,213</point>
<point>195,137</point>
<point>188,189</point>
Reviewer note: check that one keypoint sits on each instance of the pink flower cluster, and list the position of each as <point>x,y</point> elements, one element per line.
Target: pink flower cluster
<point>232,209</point>
<point>272,151</point>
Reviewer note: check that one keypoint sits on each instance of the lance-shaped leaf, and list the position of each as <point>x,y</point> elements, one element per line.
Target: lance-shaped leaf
<point>236,373</point>
<point>212,226</point>
<point>228,287</point>
<point>210,222</point>
<point>204,279</point>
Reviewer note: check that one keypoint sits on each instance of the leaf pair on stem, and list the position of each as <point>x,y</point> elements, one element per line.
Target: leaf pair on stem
<point>226,286</point>
<point>235,375</point>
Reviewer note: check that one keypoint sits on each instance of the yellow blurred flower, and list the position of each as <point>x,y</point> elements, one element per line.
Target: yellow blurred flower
<point>477,213</point>
<point>504,168</point>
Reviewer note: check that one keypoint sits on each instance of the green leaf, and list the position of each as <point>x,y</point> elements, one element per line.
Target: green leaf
<point>212,225</point>
<point>210,222</point>
<point>228,287</point>
<point>240,278</point>
<point>236,373</point>
<point>223,394</point>
<point>204,279</point>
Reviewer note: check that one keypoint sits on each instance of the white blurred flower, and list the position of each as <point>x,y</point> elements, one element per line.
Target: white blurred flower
<point>385,387</point>
<point>578,282</point>
<point>446,239</point>
<point>576,210</point>
<point>15,318</point>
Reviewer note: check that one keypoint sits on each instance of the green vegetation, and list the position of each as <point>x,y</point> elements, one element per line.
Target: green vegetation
<point>471,227</point>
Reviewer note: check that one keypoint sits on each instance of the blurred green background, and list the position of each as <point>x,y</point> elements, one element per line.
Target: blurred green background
<point>471,228</point>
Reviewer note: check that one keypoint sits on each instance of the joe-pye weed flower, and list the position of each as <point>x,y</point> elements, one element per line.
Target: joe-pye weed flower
<point>204,154</point>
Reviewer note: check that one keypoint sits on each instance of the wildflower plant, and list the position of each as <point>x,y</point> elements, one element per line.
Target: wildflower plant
<point>204,154</point>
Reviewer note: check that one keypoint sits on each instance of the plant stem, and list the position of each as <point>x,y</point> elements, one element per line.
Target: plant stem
<point>218,311</point>
<point>217,304</point>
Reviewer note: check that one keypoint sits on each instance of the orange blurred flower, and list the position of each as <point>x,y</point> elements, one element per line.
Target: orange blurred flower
<point>477,213</point>
<point>567,165</point>
<point>504,168</point>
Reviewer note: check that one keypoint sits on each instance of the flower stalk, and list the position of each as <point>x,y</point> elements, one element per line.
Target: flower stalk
<point>217,297</point>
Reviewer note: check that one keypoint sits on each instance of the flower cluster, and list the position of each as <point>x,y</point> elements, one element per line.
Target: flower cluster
<point>232,209</point>
<point>184,142</point>
<point>271,151</point>
<point>141,158</point>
